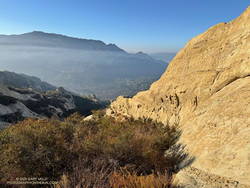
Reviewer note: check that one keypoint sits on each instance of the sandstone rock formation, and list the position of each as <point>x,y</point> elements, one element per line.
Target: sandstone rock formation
<point>206,89</point>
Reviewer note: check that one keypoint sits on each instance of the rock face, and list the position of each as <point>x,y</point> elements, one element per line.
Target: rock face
<point>206,89</point>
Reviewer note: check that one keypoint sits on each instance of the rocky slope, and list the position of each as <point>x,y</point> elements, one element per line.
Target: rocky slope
<point>206,89</point>
<point>17,104</point>
<point>24,81</point>
<point>24,96</point>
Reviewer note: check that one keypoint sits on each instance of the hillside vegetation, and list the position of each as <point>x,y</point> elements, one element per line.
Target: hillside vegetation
<point>101,152</point>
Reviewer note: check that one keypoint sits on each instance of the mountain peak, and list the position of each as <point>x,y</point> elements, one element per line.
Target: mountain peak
<point>143,55</point>
<point>40,38</point>
<point>37,32</point>
<point>140,52</point>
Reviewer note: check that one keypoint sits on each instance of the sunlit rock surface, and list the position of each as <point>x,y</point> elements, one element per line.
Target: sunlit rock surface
<point>206,89</point>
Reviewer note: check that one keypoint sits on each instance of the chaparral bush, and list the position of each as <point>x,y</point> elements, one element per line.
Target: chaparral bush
<point>91,153</point>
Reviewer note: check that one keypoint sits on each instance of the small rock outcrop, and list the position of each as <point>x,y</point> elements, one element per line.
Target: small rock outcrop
<point>206,89</point>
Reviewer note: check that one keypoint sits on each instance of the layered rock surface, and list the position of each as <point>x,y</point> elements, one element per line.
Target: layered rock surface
<point>206,89</point>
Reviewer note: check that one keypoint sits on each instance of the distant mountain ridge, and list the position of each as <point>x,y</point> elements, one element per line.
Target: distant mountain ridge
<point>80,65</point>
<point>39,38</point>
<point>164,56</point>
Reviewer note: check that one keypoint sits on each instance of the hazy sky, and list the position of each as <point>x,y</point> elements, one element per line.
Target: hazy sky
<point>134,25</point>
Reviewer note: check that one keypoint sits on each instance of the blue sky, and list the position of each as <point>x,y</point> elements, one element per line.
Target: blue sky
<point>134,25</point>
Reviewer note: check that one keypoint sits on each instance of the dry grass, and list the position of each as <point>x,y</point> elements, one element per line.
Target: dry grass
<point>131,180</point>
<point>85,175</point>
<point>119,179</point>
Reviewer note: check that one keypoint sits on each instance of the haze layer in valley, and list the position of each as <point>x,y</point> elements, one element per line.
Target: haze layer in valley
<point>80,65</point>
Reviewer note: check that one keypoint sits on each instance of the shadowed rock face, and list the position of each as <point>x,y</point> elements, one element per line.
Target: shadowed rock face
<point>206,89</point>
